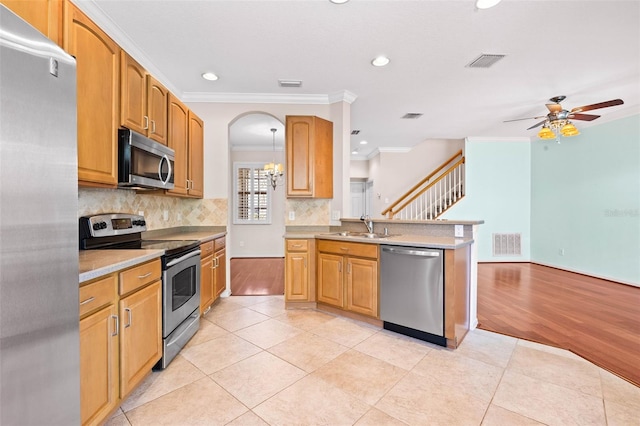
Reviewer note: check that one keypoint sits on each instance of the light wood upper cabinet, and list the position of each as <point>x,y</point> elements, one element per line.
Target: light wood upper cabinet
<point>196,154</point>
<point>141,335</point>
<point>98,71</point>
<point>43,15</point>
<point>309,165</point>
<point>178,140</point>
<point>144,101</point>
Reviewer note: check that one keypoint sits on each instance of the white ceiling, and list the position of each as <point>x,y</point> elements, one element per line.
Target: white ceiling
<point>586,50</point>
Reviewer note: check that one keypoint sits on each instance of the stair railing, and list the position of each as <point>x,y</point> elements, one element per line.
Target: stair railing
<point>434,194</point>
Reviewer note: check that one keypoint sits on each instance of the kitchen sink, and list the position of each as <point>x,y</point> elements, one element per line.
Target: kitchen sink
<point>363,235</point>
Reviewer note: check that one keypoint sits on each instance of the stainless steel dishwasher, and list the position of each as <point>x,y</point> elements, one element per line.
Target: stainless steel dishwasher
<point>412,292</point>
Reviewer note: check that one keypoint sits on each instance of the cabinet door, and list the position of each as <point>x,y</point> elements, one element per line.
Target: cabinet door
<point>196,155</point>
<point>133,92</point>
<point>296,276</point>
<point>206,283</point>
<point>362,286</point>
<point>178,139</point>
<point>220,272</point>
<point>157,100</point>
<point>44,15</point>
<point>299,141</point>
<point>140,335</point>
<point>330,288</point>
<point>98,365</point>
<point>98,70</point>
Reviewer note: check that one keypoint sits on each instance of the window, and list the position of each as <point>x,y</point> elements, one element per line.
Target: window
<point>251,194</point>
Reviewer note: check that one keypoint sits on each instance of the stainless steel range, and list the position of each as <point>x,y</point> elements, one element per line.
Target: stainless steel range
<point>180,272</point>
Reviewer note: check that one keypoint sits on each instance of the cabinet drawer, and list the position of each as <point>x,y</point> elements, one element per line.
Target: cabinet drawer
<point>297,245</point>
<point>346,248</point>
<point>139,276</point>
<point>220,243</point>
<point>206,249</point>
<point>98,294</point>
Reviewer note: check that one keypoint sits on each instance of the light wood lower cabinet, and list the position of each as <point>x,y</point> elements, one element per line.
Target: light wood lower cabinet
<point>99,364</point>
<point>299,270</point>
<point>213,272</point>
<point>348,276</point>
<point>141,335</point>
<point>120,337</point>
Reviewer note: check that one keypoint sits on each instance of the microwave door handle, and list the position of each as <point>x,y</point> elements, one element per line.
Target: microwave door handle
<point>164,158</point>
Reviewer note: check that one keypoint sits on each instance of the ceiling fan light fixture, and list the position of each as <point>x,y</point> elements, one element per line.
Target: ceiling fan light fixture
<point>546,133</point>
<point>569,130</point>
<point>486,4</point>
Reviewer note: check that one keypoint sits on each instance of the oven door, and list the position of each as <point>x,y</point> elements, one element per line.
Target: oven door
<point>180,290</point>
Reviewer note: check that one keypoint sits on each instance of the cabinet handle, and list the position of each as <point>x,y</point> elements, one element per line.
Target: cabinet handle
<point>146,122</point>
<point>348,268</point>
<point>206,311</point>
<point>84,302</point>
<point>141,277</point>
<point>305,263</point>
<point>296,245</point>
<point>117,325</point>
<point>340,267</point>
<point>344,248</point>
<point>128,311</point>
<point>153,126</point>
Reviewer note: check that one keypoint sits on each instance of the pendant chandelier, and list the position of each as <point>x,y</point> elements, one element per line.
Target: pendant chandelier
<point>274,170</point>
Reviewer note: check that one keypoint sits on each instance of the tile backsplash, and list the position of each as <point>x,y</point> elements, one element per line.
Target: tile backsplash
<point>180,211</point>
<point>308,212</point>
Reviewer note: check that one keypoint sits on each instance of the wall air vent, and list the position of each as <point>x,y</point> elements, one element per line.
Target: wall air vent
<point>484,61</point>
<point>507,245</point>
<point>355,132</point>
<point>289,83</point>
<point>412,115</point>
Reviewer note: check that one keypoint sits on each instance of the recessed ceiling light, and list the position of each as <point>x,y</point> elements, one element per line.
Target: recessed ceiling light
<point>380,61</point>
<point>338,1</point>
<point>355,151</point>
<point>486,4</point>
<point>209,76</point>
<point>363,142</point>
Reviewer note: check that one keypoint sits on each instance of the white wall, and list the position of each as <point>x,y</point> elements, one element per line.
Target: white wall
<point>359,169</point>
<point>394,173</point>
<point>258,240</point>
<point>498,191</point>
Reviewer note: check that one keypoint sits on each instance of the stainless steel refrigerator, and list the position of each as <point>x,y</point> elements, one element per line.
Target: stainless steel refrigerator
<point>39,338</point>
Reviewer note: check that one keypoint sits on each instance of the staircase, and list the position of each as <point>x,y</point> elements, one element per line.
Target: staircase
<point>433,195</point>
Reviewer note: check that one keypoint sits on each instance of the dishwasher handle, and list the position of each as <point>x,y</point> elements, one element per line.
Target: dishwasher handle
<point>411,252</point>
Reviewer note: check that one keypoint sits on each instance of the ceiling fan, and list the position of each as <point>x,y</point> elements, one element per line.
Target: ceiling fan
<point>558,118</point>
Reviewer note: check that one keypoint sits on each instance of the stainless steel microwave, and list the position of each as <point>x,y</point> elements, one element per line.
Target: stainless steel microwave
<point>143,163</point>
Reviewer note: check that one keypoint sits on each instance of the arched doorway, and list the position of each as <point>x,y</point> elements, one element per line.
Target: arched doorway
<point>256,211</point>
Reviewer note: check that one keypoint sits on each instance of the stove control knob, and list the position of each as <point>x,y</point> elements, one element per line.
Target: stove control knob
<point>103,225</point>
<point>96,226</point>
<point>142,222</point>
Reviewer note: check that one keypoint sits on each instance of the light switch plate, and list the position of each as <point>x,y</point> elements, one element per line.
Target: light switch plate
<point>335,215</point>
<point>292,215</point>
<point>458,231</point>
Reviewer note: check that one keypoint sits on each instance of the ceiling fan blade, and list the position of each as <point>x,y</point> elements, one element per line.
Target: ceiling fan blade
<point>583,117</point>
<point>537,125</point>
<point>554,107</point>
<point>526,118</point>
<point>606,104</point>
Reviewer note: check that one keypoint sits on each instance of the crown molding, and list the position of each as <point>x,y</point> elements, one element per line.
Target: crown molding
<point>342,96</point>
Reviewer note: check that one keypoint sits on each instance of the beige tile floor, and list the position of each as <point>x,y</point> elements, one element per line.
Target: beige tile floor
<point>254,363</point>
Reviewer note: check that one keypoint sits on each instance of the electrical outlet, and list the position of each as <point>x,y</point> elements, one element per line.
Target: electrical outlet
<point>458,231</point>
<point>561,252</point>
<point>140,213</point>
<point>335,215</point>
<point>241,243</point>
<point>292,215</point>
<point>165,215</point>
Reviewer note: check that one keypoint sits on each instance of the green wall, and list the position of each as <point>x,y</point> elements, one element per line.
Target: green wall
<point>498,179</point>
<point>585,200</point>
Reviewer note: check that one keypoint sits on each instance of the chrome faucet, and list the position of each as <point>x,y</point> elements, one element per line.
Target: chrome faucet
<point>368,223</point>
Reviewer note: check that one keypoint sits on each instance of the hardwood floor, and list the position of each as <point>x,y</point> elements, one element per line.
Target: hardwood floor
<point>596,319</point>
<point>257,276</point>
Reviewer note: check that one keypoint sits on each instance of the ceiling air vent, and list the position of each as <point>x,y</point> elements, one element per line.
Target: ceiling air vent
<point>484,61</point>
<point>355,132</point>
<point>412,115</point>
<point>289,83</point>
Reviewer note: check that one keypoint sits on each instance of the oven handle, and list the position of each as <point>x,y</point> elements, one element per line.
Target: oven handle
<point>185,257</point>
